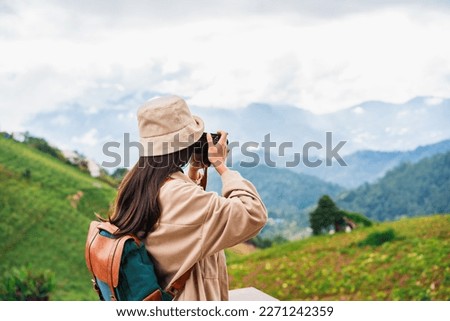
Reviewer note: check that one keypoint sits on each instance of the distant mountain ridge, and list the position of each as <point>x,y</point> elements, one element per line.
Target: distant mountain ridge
<point>367,166</point>
<point>372,125</point>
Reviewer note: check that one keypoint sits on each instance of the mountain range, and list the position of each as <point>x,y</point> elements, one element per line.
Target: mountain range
<point>367,166</point>
<point>369,126</point>
<point>376,136</point>
<point>372,125</point>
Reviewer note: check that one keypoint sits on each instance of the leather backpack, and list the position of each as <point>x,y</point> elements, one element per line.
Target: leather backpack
<point>122,269</point>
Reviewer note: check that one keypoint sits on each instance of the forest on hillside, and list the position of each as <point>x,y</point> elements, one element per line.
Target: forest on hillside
<point>407,190</point>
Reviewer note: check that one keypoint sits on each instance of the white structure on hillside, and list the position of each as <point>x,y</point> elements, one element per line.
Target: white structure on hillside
<point>75,158</point>
<point>18,136</point>
<point>94,168</point>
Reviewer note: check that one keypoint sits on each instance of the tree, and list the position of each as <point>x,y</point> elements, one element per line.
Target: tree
<point>326,214</point>
<point>42,145</point>
<point>119,173</point>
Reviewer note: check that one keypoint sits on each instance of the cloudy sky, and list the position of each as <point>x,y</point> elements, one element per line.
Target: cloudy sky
<point>318,55</point>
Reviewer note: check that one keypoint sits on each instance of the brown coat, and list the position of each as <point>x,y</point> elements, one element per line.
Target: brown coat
<point>196,226</point>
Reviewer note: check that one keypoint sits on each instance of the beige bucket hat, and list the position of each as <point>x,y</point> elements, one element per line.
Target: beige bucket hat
<point>166,125</point>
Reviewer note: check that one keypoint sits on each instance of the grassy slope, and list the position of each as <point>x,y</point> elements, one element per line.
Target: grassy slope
<point>416,266</point>
<point>39,225</point>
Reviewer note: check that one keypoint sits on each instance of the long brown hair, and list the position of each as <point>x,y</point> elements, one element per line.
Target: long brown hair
<point>136,208</point>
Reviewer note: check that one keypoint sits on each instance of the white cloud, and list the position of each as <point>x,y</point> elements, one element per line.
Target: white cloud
<point>403,113</point>
<point>358,110</point>
<point>91,109</point>
<point>126,116</point>
<point>432,101</point>
<point>393,131</point>
<point>89,54</point>
<point>60,120</point>
<point>364,138</point>
<point>89,138</point>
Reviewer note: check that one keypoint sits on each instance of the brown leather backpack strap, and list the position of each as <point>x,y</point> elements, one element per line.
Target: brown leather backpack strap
<point>178,285</point>
<point>104,254</point>
<point>92,234</point>
<point>115,253</point>
<point>204,179</point>
<point>108,227</point>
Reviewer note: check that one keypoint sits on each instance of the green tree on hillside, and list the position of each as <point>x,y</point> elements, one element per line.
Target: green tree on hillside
<point>119,173</point>
<point>326,214</point>
<point>42,145</point>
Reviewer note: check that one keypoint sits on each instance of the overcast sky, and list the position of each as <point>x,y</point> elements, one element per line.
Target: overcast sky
<point>318,55</point>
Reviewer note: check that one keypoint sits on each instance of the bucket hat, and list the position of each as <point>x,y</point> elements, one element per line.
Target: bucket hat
<point>166,125</point>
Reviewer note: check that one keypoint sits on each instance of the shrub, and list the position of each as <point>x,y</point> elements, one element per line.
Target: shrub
<point>263,243</point>
<point>26,284</point>
<point>260,242</point>
<point>26,174</point>
<point>378,238</point>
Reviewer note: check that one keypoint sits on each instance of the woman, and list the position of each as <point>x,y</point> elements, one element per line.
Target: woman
<point>184,227</point>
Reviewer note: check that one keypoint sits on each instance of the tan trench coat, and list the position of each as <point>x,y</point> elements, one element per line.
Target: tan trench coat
<point>196,226</point>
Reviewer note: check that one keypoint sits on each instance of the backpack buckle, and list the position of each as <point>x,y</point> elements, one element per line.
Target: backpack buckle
<point>173,291</point>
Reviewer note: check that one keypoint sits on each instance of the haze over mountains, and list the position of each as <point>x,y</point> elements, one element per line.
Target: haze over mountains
<point>371,125</point>
<point>367,166</point>
<point>377,135</point>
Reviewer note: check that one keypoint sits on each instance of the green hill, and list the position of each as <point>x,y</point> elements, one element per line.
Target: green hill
<point>415,265</point>
<point>407,190</point>
<point>45,209</point>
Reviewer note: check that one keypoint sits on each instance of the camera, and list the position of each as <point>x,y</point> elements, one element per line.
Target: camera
<point>201,148</point>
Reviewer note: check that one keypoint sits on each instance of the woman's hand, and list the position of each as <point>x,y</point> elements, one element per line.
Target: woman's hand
<point>195,165</point>
<point>217,154</point>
